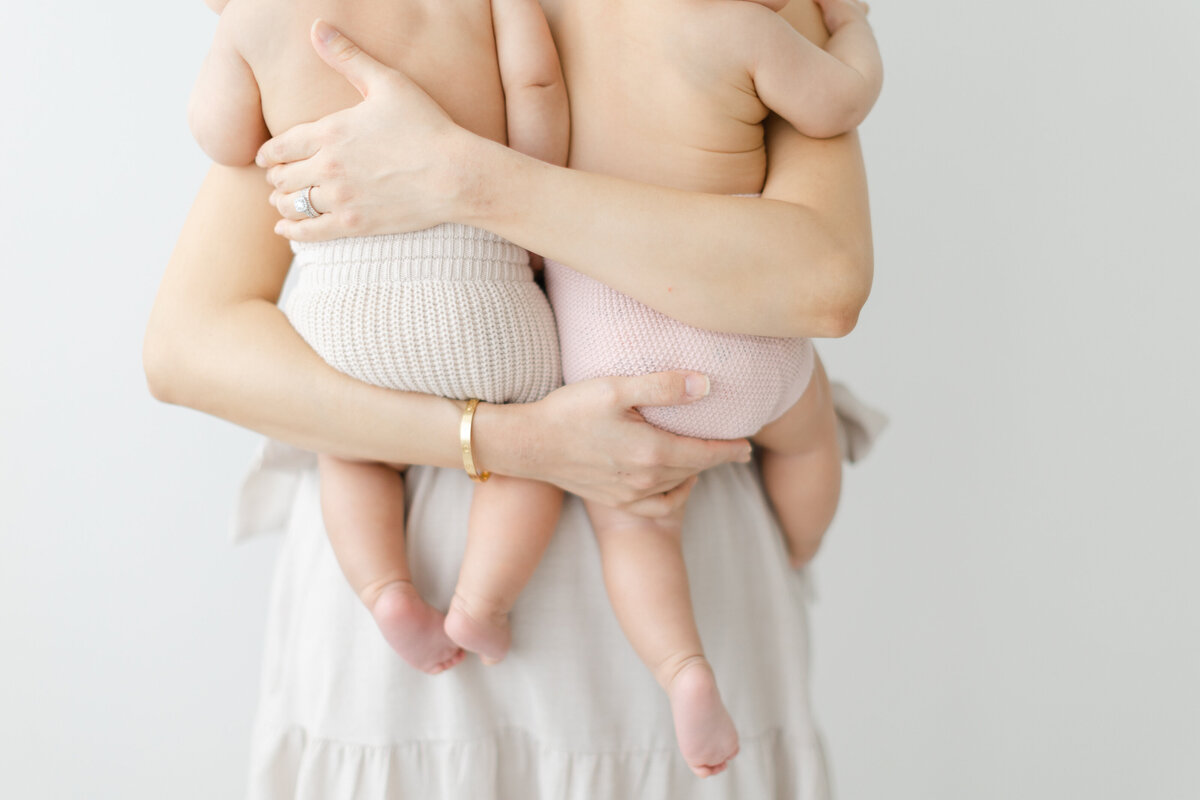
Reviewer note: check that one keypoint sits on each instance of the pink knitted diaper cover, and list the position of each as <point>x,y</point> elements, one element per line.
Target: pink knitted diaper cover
<point>754,379</point>
<point>451,311</point>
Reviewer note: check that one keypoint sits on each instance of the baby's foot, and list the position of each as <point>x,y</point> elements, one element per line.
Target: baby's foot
<point>704,729</point>
<point>414,628</point>
<point>480,630</point>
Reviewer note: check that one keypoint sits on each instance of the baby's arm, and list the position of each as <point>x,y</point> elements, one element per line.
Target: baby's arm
<point>821,92</point>
<point>225,112</point>
<point>535,96</point>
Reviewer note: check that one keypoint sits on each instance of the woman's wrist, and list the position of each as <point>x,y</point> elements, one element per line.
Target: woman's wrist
<point>500,439</point>
<point>484,177</point>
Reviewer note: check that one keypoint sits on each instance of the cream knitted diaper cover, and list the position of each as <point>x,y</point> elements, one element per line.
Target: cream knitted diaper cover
<point>451,311</point>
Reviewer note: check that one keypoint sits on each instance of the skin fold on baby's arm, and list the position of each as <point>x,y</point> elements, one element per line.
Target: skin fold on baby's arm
<point>821,92</point>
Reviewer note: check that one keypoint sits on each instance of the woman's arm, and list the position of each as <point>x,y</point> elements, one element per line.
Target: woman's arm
<point>796,263</point>
<point>217,342</point>
<point>803,253</point>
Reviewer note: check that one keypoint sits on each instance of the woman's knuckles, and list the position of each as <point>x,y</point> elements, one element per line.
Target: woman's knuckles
<point>390,83</point>
<point>332,169</point>
<point>652,455</point>
<point>607,392</point>
<point>643,484</point>
<point>338,195</point>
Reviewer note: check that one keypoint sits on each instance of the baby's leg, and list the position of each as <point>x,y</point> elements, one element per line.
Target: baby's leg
<point>648,588</point>
<point>363,506</point>
<point>510,525</point>
<point>802,468</point>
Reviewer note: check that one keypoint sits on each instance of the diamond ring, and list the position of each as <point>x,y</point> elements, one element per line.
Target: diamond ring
<point>303,204</point>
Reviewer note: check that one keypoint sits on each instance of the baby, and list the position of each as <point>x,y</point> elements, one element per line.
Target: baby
<point>675,92</point>
<point>450,311</point>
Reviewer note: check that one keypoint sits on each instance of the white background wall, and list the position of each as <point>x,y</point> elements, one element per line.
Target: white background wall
<point>1008,600</point>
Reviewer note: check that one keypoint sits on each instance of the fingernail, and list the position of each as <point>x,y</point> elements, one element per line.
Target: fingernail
<point>747,454</point>
<point>696,385</point>
<point>326,32</point>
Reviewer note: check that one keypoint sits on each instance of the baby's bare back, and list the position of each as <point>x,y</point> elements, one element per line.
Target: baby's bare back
<point>445,46</point>
<point>658,96</point>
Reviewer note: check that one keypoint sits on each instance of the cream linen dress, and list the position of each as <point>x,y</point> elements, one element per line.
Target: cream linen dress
<point>571,713</point>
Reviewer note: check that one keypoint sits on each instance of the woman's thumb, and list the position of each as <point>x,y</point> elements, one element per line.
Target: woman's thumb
<point>346,57</point>
<point>662,389</point>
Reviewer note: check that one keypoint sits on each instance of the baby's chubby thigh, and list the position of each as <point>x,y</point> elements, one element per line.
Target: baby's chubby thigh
<point>807,426</point>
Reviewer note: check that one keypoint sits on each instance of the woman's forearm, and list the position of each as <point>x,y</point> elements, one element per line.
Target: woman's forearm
<point>252,369</point>
<point>218,343</point>
<point>796,263</point>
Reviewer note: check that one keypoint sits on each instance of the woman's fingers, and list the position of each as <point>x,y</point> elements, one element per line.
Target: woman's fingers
<point>295,144</point>
<point>665,504</point>
<point>290,204</point>
<point>661,389</point>
<point>701,454</point>
<point>673,389</point>
<point>320,229</point>
<point>289,178</point>
<point>586,438</point>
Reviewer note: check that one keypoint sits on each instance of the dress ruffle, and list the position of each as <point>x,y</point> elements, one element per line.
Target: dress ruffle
<point>512,764</point>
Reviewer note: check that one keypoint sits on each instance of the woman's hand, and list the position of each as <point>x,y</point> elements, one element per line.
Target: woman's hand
<point>589,439</point>
<point>386,165</point>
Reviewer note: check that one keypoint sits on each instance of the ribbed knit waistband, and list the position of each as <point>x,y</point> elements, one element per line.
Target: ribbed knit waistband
<point>446,252</point>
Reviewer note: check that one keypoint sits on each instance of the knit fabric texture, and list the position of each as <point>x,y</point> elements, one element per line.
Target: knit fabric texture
<point>451,311</point>
<point>754,379</point>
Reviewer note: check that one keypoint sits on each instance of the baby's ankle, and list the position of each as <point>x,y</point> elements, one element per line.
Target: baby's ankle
<point>481,607</point>
<point>668,671</point>
<point>479,625</point>
<point>369,594</point>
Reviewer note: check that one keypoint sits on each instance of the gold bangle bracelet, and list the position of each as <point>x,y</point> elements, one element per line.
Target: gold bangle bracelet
<point>464,435</point>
